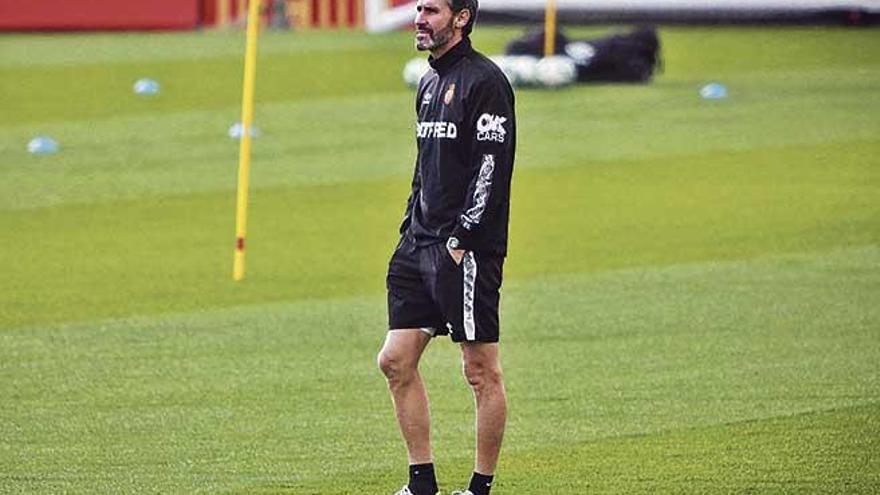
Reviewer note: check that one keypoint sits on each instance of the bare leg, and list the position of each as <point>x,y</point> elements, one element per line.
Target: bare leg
<point>399,361</point>
<point>482,369</point>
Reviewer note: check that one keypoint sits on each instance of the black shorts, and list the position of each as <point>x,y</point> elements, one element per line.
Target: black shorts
<point>428,290</point>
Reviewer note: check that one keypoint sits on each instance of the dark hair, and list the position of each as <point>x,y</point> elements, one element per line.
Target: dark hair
<point>472,5</point>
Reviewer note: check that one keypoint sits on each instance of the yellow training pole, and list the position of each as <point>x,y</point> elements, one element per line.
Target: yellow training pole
<point>550,28</point>
<point>244,154</point>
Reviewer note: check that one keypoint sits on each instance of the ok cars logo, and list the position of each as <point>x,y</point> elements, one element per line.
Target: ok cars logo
<point>491,128</point>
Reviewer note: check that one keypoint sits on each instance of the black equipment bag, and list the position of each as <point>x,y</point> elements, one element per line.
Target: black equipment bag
<point>626,57</point>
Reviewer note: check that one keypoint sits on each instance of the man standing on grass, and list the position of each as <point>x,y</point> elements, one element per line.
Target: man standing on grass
<point>445,274</point>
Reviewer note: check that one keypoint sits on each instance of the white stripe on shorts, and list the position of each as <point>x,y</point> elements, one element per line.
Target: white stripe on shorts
<point>470,278</point>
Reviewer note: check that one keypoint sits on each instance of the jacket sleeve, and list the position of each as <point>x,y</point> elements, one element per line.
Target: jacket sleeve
<point>413,197</point>
<point>491,161</point>
<point>416,181</point>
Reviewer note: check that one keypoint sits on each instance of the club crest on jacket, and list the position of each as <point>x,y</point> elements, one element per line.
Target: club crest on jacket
<point>450,94</point>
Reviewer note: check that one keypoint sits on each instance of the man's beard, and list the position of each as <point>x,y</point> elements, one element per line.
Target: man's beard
<point>436,39</point>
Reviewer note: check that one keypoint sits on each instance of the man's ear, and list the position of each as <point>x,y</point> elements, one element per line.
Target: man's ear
<point>463,17</point>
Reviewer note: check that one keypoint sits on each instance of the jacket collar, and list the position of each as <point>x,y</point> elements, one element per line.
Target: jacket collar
<point>448,59</point>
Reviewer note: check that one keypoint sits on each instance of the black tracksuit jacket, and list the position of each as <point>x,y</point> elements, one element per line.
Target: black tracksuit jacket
<point>466,135</point>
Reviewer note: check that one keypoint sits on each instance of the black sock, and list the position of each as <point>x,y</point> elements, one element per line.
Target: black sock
<point>480,484</point>
<point>422,480</point>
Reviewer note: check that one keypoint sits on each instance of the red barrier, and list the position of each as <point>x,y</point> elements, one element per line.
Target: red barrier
<point>98,14</point>
<point>209,11</point>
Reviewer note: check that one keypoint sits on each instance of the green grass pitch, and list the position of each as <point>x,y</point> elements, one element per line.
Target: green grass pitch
<point>692,299</point>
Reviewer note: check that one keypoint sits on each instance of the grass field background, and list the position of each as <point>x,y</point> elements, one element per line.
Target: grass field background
<point>691,305</point>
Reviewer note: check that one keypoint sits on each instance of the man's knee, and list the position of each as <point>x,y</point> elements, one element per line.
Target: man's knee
<point>397,368</point>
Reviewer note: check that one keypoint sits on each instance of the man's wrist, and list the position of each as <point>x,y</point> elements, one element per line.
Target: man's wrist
<point>464,238</point>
